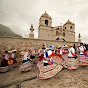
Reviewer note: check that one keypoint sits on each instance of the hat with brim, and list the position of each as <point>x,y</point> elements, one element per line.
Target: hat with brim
<point>43,47</point>
<point>9,51</point>
<point>13,51</point>
<point>70,44</point>
<point>50,47</point>
<point>65,46</point>
<point>59,46</point>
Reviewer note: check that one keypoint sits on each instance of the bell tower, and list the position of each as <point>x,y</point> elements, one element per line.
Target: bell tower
<point>45,24</point>
<point>69,28</point>
<point>45,20</point>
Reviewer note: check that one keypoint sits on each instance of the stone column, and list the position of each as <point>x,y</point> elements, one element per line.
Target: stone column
<point>79,38</point>
<point>31,34</point>
<point>60,36</point>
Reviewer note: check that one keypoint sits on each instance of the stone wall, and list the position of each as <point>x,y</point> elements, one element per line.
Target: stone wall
<point>20,44</point>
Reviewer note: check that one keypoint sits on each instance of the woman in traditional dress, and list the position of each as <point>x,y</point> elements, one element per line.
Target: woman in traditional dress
<point>41,53</point>
<point>5,58</point>
<point>83,57</point>
<point>27,62</point>
<point>33,57</point>
<point>72,61</point>
<point>13,57</point>
<point>58,56</point>
<point>47,68</point>
<point>65,52</point>
<point>4,62</point>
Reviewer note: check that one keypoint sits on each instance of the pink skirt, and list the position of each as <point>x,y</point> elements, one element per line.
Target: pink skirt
<point>45,72</point>
<point>70,63</point>
<point>83,60</point>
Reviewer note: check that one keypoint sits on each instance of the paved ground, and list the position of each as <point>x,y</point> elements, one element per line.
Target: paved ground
<point>65,79</point>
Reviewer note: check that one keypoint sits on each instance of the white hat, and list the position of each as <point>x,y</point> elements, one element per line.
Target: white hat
<point>65,46</point>
<point>9,51</point>
<point>14,50</point>
<point>59,46</point>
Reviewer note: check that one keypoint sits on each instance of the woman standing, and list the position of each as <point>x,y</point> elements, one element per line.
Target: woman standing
<point>83,57</point>
<point>27,62</point>
<point>72,61</point>
<point>47,68</point>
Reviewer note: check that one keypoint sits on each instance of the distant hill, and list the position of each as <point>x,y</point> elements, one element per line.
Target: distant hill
<point>8,31</point>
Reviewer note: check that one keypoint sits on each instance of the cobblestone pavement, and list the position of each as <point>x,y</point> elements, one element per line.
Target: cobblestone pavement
<point>65,79</point>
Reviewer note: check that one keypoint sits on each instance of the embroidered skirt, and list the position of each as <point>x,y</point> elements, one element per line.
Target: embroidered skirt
<point>70,63</point>
<point>57,59</point>
<point>45,72</point>
<point>26,66</point>
<point>83,60</point>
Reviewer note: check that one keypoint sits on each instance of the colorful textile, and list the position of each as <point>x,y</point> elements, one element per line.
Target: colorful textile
<point>45,72</point>
<point>70,63</point>
<point>5,69</point>
<point>4,63</point>
<point>83,59</point>
<point>57,59</point>
<point>41,57</point>
<point>26,66</point>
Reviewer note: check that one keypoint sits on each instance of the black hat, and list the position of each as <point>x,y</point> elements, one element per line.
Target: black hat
<point>6,51</point>
<point>81,43</point>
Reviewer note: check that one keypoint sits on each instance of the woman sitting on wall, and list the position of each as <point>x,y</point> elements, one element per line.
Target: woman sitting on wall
<point>5,58</point>
<point>5,66</point>
<point>13,57</point>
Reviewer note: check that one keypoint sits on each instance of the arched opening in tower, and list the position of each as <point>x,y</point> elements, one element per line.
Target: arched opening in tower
<point>46,22</point>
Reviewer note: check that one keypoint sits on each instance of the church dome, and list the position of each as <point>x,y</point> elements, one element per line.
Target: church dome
<point>69,22</point>
<point>46,15</point>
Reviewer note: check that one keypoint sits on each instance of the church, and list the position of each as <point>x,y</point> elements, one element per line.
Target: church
<point>47,32</point>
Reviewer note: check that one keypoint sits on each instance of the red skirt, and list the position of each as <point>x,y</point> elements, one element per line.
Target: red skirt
<point>41,57</point>
<point>4,63</point>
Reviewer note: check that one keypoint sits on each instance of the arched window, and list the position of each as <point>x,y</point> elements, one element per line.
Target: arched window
<point>46,22</point>
<point>63,33</point>
<point>57,33</point>
<point>70,27</point>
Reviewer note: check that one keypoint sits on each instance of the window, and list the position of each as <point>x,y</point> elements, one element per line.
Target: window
<point>70,27</point>
<point>65,27</point>
<point>57,29</point>
<point>63,30</point>
<point>46,22</point>
<point>63,33</point>
<point>57,33</point>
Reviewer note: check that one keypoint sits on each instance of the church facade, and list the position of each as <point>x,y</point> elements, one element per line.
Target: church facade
<point>47,32</point>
